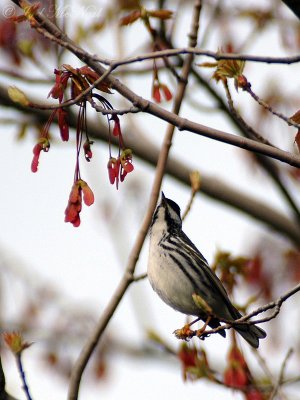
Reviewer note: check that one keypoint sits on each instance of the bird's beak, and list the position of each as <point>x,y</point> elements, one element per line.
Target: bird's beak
<point>163,198</point>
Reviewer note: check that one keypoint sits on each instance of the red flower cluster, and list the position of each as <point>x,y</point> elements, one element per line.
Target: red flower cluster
<point>237,375</point>
<point>194,362</point>
<point>44,145</point>
<point>80,80</point>
<point>119,167</point>
<point>159,89</point>
<point>188,357</point>
<point>80,188</point>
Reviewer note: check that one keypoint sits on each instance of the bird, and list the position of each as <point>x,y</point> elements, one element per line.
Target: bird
<point>183,279</point>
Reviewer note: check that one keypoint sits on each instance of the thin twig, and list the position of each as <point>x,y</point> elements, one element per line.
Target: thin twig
<point>267,106</point>
<point>195,179</point>
<point>238,117</point>
<point>23,376</point>
<point>199,52</point>
<point>189,205</point>
<point>245,320</point>
<point>264,366</point>
<point>266,163</point>
<point>281,374</point>
<point>140,277</point>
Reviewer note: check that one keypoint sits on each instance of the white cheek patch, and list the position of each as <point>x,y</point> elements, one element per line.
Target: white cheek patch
<point>174,216</point>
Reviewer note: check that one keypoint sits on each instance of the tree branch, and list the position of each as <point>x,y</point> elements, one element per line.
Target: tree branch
<point>55,34</point>
<point>92,342</point>
<point>210,186</point>
<point>198,52</point>
<point>281,374</point>
<point>245,319</point>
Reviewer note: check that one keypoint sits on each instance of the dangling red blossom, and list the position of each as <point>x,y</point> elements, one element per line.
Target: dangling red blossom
<point>166,91</point>
<point>63,124</point>
<point>75,201</point>
<point>117,127</point>
<point>194,362</point>
<point>126,163</point>
<point>237,373</point>
<point>235,376</point>
<point>158,89</point>
<point>61,81</point>
<point>113,167</point>
<point>87,150</point>
<point>188,357</point>
<point>44,145</point>
<point>156,92</point>
<point>88,195</point>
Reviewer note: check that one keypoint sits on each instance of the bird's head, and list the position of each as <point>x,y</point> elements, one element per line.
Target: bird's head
<point>167,215</point>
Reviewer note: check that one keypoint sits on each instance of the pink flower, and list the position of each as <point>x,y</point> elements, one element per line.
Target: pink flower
<point>44,145</point>
<point>74,206</point>
<point>158,89</point>
<point>113,167</point>
<point>61,81</point>
<point>117,127</point>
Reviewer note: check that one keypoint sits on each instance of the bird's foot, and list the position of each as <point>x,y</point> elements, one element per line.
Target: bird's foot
<point>185,333</point>
<point>200,331</point>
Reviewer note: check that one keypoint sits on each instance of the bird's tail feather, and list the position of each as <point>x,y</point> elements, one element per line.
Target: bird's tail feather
<point>251,333</point>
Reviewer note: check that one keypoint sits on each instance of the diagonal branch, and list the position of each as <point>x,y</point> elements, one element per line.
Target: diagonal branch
<point>128,276</point>
<point>210,186</point>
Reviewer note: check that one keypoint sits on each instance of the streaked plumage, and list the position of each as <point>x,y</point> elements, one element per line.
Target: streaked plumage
<point>177,270</point>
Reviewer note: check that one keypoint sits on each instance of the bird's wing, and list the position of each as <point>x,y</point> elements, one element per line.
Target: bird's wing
<point>215,283</point>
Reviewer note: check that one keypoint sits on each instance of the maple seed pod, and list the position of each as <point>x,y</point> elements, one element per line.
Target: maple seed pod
<point>117,126</point>
<point>88,195</point>
<point>156,92</point>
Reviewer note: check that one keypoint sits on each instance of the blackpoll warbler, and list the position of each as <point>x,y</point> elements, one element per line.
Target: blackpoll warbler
<point>181,276</point>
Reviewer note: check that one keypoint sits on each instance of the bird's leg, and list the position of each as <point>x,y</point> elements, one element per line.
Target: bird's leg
<point>201,330</point>
<point>186,332</point>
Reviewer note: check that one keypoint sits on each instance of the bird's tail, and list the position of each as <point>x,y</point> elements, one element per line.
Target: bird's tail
<point>251,333</point>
